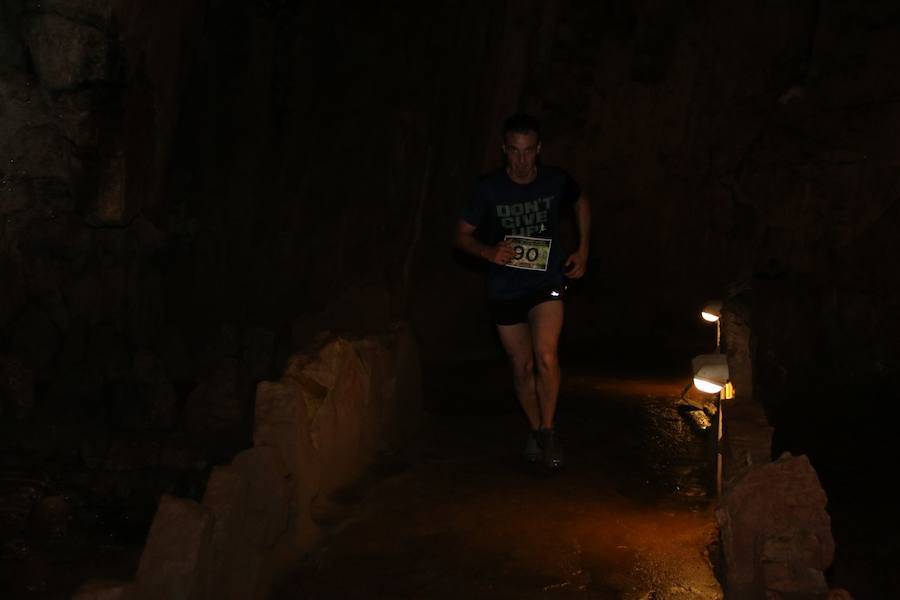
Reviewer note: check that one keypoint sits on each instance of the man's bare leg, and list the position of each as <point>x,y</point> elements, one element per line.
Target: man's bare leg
<point>516,340</point>
<point>545,322</point>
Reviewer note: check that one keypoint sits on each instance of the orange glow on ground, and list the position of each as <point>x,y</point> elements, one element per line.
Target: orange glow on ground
<point>466,518</point>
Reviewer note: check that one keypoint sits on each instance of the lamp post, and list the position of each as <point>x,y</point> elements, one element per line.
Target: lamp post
<point>712,312</point>
<point>711,376</point>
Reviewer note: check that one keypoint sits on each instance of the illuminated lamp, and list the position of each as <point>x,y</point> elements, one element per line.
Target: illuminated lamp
<point>711,374</point>
<point>712,312</point>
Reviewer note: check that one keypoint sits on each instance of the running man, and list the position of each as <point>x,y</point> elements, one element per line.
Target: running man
<point>512,221</point>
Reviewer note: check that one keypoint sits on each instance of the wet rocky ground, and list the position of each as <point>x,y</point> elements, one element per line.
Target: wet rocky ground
<point>461,516</point>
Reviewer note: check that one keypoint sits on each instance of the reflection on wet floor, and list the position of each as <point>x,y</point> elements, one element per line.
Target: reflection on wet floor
<point>461,516</point>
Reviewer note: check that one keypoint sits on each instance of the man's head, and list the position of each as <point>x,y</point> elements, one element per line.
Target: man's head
<point>521,145</point>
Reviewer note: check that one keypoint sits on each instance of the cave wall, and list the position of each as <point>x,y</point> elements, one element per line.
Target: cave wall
<point>354,136</point>
<point>187,192</point>
<point>182,189</point>
<point>89,102</point>
<point>192,187</point>
<point>324,152</point>
<point>723,140</point>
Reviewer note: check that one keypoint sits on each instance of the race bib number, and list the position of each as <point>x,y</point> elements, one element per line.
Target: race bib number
<point>530,253</point>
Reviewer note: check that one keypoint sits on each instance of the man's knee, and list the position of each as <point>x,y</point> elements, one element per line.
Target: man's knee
<point>523,369</point>
<point>547,360</point>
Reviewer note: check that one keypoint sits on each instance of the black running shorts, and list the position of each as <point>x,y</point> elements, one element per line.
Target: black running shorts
<point>512,312</point>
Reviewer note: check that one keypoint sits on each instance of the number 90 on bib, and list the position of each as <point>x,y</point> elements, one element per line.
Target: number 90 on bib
<point>530,253</point>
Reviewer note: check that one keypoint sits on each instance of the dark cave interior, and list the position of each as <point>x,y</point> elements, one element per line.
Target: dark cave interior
<point>189,194</point>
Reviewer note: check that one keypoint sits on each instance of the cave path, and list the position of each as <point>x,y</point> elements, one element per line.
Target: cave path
<point>458,514</point>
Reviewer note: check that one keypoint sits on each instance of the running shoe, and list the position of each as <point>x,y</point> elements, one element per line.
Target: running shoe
<point>552,449</point>
<point>532,452</point>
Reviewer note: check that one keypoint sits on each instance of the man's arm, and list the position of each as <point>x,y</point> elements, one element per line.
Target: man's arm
<point>576,264</point>
<point>464,239</point>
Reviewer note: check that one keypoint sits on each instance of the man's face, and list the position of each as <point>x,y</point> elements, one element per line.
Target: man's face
<point>521,150</point>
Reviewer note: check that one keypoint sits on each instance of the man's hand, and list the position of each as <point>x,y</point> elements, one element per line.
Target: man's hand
<point>500,254</point>
<point>465,240</point>
<point>576,265</point>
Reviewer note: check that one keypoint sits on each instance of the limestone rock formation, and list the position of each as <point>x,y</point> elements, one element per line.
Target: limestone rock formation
<point>175,561</point>
<point>775,532</point>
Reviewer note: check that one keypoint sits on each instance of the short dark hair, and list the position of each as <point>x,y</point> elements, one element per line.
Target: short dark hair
<point>521,123</point>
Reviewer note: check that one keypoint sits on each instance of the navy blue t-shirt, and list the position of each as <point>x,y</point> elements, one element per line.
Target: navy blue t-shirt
<point>501,207</point>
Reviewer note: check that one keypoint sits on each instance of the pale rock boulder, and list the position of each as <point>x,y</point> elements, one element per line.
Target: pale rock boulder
<point>282,424</point>
<point>775,532</point>
<point>177,560</point>
<point>332,411</point>
<point>313,416</point>
<point>270,501</point>
<point>235,563</point>
<point>336,424</point>
<point>789,561</point>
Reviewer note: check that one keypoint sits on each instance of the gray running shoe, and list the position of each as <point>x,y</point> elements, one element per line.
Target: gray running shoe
<point>553,452</point>
<point>532,451</point>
